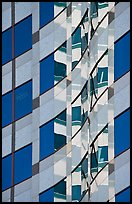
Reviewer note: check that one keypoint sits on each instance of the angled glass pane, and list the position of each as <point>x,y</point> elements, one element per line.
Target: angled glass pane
<point>7,109</point>
<point>46,73</point>
<point>122,132</point>
<point>6,172</point>
<point>23,100</point>
<point>60,190</point>
<point>122,56</point>
<point>47,196</point>
<point>46,11</point>
<point>76,115</point>
<point>23,36</point>
<point>102,76</point>
<point>46,139</point>
<point>23,164</point>
<point>6,46</point>
<point>61,118</point>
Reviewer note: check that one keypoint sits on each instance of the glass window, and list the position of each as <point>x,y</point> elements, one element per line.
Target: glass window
<point>102,76</point>
<point>102,155</point>
<point>124,196</point>
<point>46,12</point>
<point>6,172</point>
<point>60,140</point>
<point>60,71</point>
<point>47,196</point>
<point>76,192</point>
<point>23,36</point>
<point>94,162</point>
<point>60,190</point>
<point>94,9</point>
<point>122,132</point>
<point>61,118</point>
<point>76,43</point>
<point>23,100</point>
<point>122,56</point>
<point>6,46</point>
<point>23,164</point>
<point>46,139</point>
<point>47,73</point>
<point>76,38</point>
<point>102,5</point>
<point>76,115</point>
<point>60,4</point>
<point>6,109</point>
<point>55,193</point>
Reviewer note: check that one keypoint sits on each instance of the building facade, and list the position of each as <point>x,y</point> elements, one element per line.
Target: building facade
<point>65,101</point>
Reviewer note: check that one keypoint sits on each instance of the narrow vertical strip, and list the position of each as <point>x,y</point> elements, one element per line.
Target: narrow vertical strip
<point>13,98</point>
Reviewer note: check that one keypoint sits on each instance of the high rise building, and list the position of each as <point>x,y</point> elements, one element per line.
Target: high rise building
<point>65,101</point>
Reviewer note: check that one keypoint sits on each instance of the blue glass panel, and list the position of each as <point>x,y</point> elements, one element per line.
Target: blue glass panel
<point>23,100</point>
<point>6,46</point>
<point>23,164</point>
<point>47,196</point>
<point>6,172</point>
<point>124,196</point>
<point>6,109</point>
<point>23,36</point>
<point>46,139</point>
<point>76,192</point>
<point>46,12</point>
<point>122,56</point>
<point>46,73</point>
<point>122,132</point>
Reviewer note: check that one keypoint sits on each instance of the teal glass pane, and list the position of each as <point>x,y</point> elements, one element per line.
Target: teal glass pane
<point>76,115</point>
<point>60,4</point>
<point>63,47</point>
<point>102,155</point>
<point>76,192</point>
<point>94,9</point>
<point>102,76</point>
<point>61,118</point>
<point>102,5</point>
<point>76,38</point>
<point>59,71</point>
<point>94,162</point>
<point>60,190</point>
<point>59,141</point>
